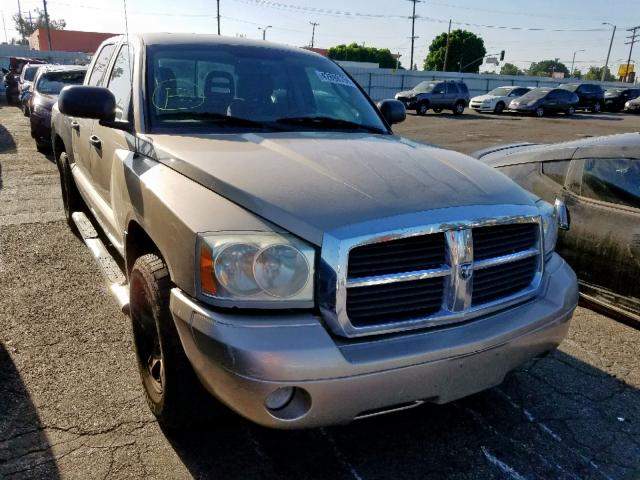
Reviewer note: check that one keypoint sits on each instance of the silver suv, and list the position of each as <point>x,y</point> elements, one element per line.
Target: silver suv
<point>438,96</point>
<point>288,252</point>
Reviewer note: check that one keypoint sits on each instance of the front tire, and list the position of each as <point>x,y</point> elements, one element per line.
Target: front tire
<point>173,393</point>
<point>539,112</point>
<point>597,108</point>
<point>458,109</point>
<point>499,108</point>
<point>571,110</point>
<point>422,109</point>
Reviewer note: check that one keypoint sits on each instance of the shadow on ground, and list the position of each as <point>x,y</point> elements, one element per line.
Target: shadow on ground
<point>24,448</point>
<point>555,418</point>
<point>7,143</point>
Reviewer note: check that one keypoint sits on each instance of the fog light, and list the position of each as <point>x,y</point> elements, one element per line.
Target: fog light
<point>279,398</point>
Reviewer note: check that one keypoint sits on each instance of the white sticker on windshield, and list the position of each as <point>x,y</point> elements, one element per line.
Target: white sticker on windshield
<point>337,78</point>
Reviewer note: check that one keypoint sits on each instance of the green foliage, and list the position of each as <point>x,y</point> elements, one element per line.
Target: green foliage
<point>595,73</point>
<point>510,69</point>
<point>358,53</point>
<point>25,29</point>
<point>464,46</point>
<point>546,67</point>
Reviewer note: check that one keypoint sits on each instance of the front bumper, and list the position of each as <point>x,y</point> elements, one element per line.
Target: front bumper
<point>40,127</point>
<point>480,107</point>
<point>242,359</point>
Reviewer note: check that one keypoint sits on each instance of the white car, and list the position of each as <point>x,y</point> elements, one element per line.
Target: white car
<point>497,99</point>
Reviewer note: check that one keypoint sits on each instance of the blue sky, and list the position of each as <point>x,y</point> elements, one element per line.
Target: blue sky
<point>380,23</point>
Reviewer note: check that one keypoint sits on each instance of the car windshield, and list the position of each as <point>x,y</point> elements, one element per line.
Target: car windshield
<point>30,73</point>
<point>614,92</point>
<point>51,83</point>
<point>501,91</point>
<point>229,88</point>
<point>424,87</point>
<point>535,94</point>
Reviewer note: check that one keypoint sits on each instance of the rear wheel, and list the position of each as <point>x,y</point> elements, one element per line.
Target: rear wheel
<point>458,109</point>
<point>173,393</point>
<point>499,108</point>
<point>539,112</point>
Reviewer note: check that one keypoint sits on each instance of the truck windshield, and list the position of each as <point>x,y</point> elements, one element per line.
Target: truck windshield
<point>229,88</point>
<point>424,87</point>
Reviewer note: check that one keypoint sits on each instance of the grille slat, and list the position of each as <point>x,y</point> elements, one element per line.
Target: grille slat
<point>503,280</point>
<point>499,240</point>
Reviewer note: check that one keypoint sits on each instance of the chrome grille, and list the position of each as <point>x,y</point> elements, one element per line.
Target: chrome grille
<point>438,275</point>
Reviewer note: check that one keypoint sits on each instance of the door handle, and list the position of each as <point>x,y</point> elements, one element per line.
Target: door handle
<point>75,126</point>
<point>95,141</point>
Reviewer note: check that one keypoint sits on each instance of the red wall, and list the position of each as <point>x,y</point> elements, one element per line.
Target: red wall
<point>68,40</point>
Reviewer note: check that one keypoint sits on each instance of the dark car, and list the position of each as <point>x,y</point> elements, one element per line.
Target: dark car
<point>12,78</point>
<point>616,98</point>
<point>590,95</point>
<point>599,180</point>
<point>46,87</point>
<point>543,100</point>
<point>438,96</point>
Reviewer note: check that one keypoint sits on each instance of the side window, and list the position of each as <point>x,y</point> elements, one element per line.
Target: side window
<point>439,88</point>
<point>614,180</point>
<point>120,82</point>
<point>463,88</point>
<point>556,171</point>
<point>452,88</point>
<point>101,64</point>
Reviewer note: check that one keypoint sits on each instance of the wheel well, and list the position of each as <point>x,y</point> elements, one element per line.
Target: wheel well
<point>137,243</point>
<point>58,146</point>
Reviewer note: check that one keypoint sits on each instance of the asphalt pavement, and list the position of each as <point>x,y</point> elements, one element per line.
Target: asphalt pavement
<point>71,405</point>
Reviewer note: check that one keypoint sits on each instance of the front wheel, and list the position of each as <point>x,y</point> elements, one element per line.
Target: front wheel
<point>597,107</point>
<point>539,112</point>
<point>499,108</point>
<point>173,393</point>
<point>422,109</point>
<point>458,109</point>
<point>571,110</point>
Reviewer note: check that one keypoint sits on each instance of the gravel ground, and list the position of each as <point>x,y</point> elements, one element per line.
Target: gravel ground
<point>71,405</point>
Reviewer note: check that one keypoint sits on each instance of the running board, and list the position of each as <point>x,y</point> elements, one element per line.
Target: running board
<point>115,278</point>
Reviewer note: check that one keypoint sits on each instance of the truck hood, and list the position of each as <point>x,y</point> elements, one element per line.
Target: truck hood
<point>312,183</point>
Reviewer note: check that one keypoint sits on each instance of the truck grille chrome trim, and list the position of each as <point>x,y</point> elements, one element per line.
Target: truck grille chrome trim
<point>508,271</point>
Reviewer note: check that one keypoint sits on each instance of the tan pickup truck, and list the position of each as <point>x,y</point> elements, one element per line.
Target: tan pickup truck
<point>283,248</point>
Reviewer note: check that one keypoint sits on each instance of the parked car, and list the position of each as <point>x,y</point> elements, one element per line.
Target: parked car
<point>25,85</point>
<point>590,95</point>
<point>12,77</point>
<point>632,106</point>
<point>290,249</point>
<point>599,180</point>
<point>498,99</point>
<point>48,83</point>
<point>438,96</point>
<point>543,100</point>
<point>615,98</point>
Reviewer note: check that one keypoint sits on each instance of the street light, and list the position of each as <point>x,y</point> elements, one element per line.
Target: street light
<point>606,64</point>
<point>574,60</point>
<point>264,31</point>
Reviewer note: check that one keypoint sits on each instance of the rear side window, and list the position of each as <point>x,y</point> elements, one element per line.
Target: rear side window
<point>439,88</point>
<point>556,171</point>
<point>612,180</point>
<point>451,88</point>
<point>101,64</point>
<point>120,81</point>
<point>463,87</point>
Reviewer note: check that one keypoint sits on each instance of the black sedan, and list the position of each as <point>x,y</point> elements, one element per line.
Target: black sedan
<point>543,100</point>
<point>599,180</point>
<point>615,98</point>
<point>46,87</point>
<point>590,95</point>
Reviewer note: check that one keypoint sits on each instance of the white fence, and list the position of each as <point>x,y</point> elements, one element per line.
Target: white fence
<point>382,83</point>
<point>53,56</point>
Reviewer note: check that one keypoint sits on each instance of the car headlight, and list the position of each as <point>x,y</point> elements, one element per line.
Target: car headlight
<point>256,270</point>
<point>549,217</point>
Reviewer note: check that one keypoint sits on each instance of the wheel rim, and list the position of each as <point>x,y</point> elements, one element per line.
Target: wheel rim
<point>423,108</point>
<point>572,110</point>
<point>540,112</point>
<point>460,108</point>
<point>499,108</point>
<point>147,341</point>
<point>597,108</point>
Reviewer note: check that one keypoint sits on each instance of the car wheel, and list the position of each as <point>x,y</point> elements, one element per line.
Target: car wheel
<point>437,110</point>
<point>597,107</point>
<point>173,393</point>
<point>25,110</point>
<point>71,199</point>
<point>499,108</point>
<point>539,112</point>
<point>43,147</point>
<point>422,109</point>
<point>458,109</point>
<point>571,110</point>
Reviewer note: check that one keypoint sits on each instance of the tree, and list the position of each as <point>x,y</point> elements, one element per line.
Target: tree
<point>464,47</point>
<point>359,53</point>
<point>545,68</point>
<point>595,73</point>
<point>26,28</point>
<point>576,73</point>
<point>510,69</point>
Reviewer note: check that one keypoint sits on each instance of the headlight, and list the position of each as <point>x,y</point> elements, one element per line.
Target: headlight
<point>549,226</point>
<point>256,270</point>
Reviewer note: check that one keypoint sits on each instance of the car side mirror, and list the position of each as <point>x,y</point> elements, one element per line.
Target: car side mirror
<point>562,214</point>
<point>91,102</point>
<point>393,111</point>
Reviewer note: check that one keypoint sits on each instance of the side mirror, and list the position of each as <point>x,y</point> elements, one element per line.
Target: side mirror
<point>88,102</point>
<point>562,214</point>
<point>393,111</point>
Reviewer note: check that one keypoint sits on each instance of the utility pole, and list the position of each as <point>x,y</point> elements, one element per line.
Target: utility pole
<point>264,31</point>
<point>573,62</point>
<point>446,51</point>
<point>46,21</point>
<point>313,32</point>
<point>218,5</point>
<point>413,29</point>
<point>606,64</point>
<point>631,43</point>
<point>21,20</point>
<point>4,26</point>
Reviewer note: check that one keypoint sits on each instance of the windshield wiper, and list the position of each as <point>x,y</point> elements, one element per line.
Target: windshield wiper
<point>212,117</point>
<point>328,122</point>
